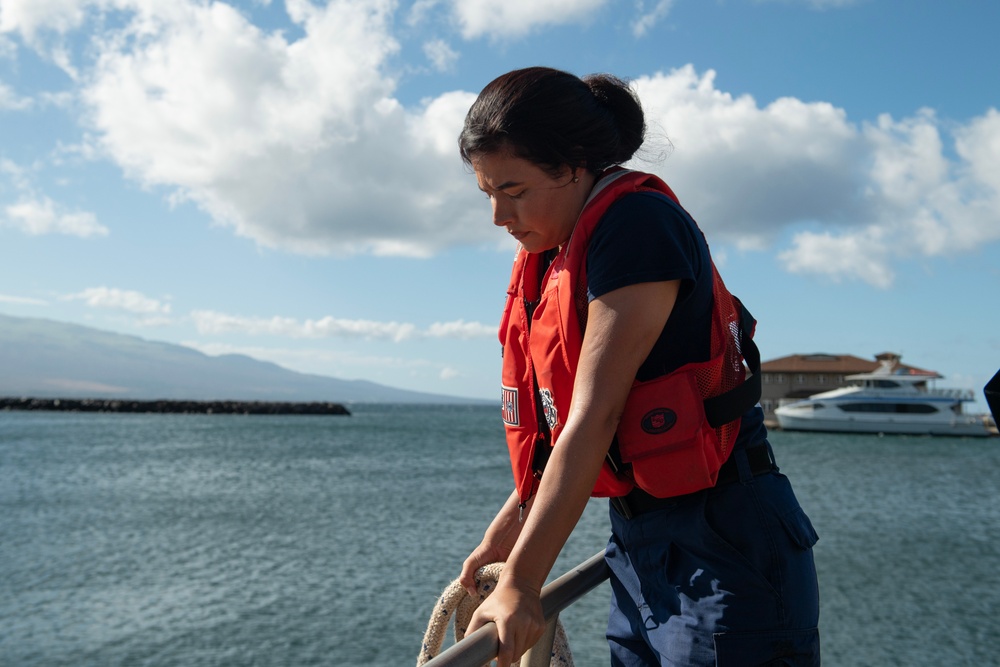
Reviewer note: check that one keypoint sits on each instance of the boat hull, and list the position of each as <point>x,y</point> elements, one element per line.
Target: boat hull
<point>886,401</point>
<point>971,427</point>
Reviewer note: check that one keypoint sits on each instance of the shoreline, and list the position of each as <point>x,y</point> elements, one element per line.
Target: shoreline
<point>165,406</point>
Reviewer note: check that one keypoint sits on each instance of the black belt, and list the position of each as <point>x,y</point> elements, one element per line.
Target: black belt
<point>639,502</point>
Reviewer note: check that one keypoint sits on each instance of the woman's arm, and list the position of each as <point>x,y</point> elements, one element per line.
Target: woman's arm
<point>497,542</point>
<point>622,327</point>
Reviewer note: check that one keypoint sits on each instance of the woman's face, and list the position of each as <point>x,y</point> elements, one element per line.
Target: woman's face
<point>537,209</point>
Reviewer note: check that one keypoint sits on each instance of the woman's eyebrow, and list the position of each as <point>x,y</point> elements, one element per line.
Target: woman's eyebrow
<point>503,186</point>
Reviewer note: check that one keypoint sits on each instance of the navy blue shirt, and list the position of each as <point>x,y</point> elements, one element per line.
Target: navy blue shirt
<point>647,237</point>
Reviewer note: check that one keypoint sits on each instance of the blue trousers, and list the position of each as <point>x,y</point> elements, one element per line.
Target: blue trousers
<point>721,577</point>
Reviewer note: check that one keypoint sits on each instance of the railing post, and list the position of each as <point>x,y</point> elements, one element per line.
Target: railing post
<point>540,655</point>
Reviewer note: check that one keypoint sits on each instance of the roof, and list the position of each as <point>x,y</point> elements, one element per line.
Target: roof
<point>831,363</point>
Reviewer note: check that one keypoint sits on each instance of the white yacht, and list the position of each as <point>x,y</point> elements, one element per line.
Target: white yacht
<point>886,401</point>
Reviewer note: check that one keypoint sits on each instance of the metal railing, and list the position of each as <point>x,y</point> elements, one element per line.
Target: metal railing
<point>482,646</point>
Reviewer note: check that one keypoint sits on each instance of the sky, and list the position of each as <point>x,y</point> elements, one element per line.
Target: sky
<point>282,180</point>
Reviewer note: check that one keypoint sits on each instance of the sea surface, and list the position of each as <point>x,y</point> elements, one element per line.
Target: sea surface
<point>204,540</point>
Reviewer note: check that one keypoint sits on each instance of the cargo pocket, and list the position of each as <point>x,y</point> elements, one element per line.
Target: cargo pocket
<point>799,528</point>
<point>792,648</point>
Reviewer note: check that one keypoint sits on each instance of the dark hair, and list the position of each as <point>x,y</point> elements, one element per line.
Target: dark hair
<point>555,119</point>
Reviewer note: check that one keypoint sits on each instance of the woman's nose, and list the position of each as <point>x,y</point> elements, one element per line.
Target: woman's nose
<point>502,212</point>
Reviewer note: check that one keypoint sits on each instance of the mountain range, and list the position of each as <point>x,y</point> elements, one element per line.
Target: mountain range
<point>48,359</point>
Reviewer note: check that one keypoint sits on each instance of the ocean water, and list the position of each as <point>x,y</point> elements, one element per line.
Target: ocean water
<point>188,540</point>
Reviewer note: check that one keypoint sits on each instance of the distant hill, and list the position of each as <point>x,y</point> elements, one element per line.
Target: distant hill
<point>43,358</point>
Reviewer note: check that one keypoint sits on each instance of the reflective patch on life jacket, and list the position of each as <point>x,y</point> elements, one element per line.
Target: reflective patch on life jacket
<point>508,406</point>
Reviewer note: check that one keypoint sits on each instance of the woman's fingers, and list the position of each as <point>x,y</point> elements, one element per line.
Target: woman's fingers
<point>508,649</point>
<point>468,576</point>
<point>518,620</point>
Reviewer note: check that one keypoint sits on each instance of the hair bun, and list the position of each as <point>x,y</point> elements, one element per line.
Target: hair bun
<point>623,104</point>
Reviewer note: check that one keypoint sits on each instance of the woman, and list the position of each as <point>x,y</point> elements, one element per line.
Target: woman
<point>623,377</point>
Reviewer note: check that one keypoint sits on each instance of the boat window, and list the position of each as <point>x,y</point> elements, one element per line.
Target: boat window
<point>885,384</point>
<point>907,408</point>
<point>916,408</point>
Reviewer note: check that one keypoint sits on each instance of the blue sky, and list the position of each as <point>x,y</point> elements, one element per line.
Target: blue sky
<point>280,179</point>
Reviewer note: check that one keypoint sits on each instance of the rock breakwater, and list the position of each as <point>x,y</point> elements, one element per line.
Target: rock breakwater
<point>173,406</point>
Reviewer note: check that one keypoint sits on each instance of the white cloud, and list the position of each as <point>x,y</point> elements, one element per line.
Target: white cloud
<point>126,300</point>
<point>297,145</point>
<point>41,215</point>
<point>853,256</point>
<point>7,46</point>
<point>11,101</point>
<point>441,55</point>
<point>515,18</point>
<point>881,193</point>
<point>211,322</point>
<point>820,4</point>
<point>22,300</point>
<point>461,329</point>
<point>648,18</point>
<point>31,16</point>
<point>921,204</point>
<point>978,144</point>
<point>36,214</point>
<point>302,145</point>
<point>746,171</point>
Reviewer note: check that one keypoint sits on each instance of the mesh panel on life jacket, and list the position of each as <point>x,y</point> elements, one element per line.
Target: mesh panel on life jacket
<point>714,379</point>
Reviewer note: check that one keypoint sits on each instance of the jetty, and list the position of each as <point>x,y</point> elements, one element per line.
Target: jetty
<point>173,406</point>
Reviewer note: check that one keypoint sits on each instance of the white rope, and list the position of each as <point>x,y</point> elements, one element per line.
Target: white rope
<point>455,601</point>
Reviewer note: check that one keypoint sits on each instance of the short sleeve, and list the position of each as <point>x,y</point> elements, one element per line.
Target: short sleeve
<point>644,237</point>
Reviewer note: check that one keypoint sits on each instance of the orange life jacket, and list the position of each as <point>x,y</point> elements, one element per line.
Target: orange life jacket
<point>676,430</point>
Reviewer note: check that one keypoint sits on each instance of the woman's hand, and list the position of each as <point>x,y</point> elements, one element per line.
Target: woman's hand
<point>497,543</point>
<point>484,554</point>
<point>516,610</point>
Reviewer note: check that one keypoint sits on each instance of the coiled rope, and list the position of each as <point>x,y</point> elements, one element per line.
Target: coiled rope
<point>455,601</point>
